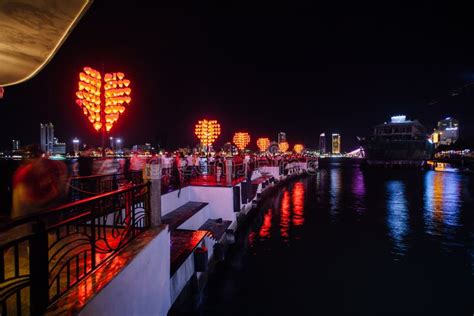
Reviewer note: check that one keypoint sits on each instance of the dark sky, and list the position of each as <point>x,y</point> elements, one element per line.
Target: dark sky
<point>303,68</point>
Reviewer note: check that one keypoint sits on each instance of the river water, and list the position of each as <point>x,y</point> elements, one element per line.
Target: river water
<point>348,241</point>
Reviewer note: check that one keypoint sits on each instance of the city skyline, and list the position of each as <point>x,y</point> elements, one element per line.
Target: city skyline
<point>242,76</point>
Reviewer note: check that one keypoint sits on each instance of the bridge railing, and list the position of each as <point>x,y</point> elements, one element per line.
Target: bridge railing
<point>45,254</point>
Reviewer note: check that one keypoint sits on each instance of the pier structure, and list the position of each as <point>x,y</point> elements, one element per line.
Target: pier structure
<point>129,243</point>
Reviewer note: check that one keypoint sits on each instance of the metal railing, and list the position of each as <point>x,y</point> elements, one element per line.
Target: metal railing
<point>87,186</point>
<point>45,254</point>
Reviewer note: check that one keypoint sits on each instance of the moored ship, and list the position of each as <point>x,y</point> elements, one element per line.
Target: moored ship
<point>400,142</point>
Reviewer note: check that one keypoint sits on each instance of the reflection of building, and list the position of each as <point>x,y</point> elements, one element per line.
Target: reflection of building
<point>47,137</point>
<point>15,145</point>
<point>281,137</point>
<point>322,144</point>
<point>336,144</point>
<point>447,131</point>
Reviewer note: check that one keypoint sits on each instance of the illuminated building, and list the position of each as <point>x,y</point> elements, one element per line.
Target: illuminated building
<point>298,148</point>
<point>112,143</point>
<point>263,144</point>
<point>75,145</point>
<point>47,137</point>
<point>118,145</point>
<point>322,144</point>
<point>336,144</point>
<point>15,144</point>
<point>241,140</point>
<point>58,148</point>
<point>448,131</point>
<point>402,140</point>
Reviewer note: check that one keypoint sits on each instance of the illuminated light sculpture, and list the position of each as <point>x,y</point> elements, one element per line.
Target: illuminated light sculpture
<point>298,148</point>
<point>207,131</point>
<point>263,144</point>
<point>102,101</point>
<point>283,146</point>
<point>241,140</point>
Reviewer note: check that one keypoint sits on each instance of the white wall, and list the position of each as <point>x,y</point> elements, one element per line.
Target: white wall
<point>170,201</point>
<point>142,287</point>
<point>220,199</point>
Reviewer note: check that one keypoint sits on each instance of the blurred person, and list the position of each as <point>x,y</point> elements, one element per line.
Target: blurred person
<point>37,185</point>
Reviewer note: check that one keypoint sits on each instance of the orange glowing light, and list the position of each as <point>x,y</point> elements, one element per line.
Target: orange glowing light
<point>103,101</point>
<point>298,148</point>
<point>241,140</point>
<point>283,146</point>
<point>207,131</point>
<point>263,144</point>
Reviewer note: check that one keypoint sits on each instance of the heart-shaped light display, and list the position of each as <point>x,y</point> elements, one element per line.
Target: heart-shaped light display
<point>103,101</point>
<point>241,140</point>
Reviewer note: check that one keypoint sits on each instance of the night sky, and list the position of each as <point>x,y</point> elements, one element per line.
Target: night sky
<point>302,68</point>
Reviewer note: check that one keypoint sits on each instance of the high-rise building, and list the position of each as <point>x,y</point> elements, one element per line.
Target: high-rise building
<point>322,144</point>
<point>118,144</point>
<point>336,144</point>
<point>47,137</point>
<point>448,131</point>
<point>281,137</point>
<point>112,143</point>
<point>75,145</point>
<point>15,145</point>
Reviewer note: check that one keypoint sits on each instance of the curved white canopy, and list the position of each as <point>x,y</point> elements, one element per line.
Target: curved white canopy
<point>31,32</point>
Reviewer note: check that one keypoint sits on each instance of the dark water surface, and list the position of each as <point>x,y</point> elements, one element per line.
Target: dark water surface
<point>354,242</point>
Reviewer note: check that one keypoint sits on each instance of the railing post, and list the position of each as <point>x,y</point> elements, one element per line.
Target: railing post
<point>228,171</point>
<point>153,175</point>
<point>39,269</point>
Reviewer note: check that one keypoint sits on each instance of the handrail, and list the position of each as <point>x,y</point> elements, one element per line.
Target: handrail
<point>36,216</point>
<point>105,175</point>
<point>53,263</point>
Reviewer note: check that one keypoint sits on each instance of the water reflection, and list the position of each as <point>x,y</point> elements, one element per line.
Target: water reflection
<point>442,192</point>
<point>285,215</point>
<point>397,214</point>
<point>358,190</point>
<point>387,260</point>
<point>265,230</point>
<point>298,203</point>
<point>336,186</point>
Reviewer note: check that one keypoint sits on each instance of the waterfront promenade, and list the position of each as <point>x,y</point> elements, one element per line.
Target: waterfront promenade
<point>51,257</point>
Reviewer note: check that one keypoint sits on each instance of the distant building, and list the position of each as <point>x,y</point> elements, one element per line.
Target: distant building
<point>281,137</point>
<point>336,144</point>
<point>15,145</point>
<point>75,144</point>
<point>47,137</point>
<point>112,143</point>
<point>118,145</point>
<point>322,144</point>
<point>58,148</point>
<point>448,131</point>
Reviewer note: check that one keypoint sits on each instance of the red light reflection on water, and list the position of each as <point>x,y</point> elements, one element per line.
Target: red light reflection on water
<point>298,203</point>
<point>285,214</point>
<point>267,224</point>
